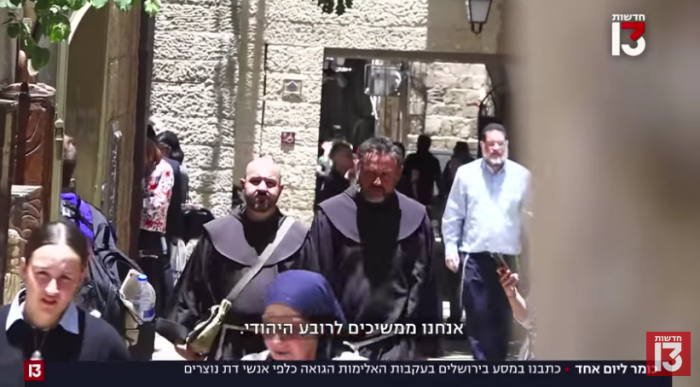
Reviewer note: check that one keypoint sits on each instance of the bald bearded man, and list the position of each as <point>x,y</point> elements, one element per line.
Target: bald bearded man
<point>237,258</point>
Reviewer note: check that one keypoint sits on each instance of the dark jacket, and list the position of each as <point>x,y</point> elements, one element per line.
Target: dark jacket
<point>333,184</point>
<point>95,340</point>
<point>175,225</point>
<point>428,168</point>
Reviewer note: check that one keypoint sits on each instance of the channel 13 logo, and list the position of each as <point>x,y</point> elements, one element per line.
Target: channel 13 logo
<point>668,353</point>
<point>635,23</point>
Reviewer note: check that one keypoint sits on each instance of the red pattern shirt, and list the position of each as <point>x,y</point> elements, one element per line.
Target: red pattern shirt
<point>157,192</point>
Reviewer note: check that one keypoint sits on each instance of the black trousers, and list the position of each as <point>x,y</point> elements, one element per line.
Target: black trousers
<point>489,316</point>
<point>154,260</point>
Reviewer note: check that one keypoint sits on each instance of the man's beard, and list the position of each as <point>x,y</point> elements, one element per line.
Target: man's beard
<point>259,203</point>
<point>377,198</point>
<point>496,161</point>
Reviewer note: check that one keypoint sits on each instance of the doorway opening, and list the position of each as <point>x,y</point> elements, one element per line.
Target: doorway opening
<point>346,111</point>
<point>448,101</point>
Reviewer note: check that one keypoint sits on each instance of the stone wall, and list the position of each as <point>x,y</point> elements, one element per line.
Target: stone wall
<point>220,65</point>
<point>297,37</point>
<point>193,91</point>
<point>450,94</point>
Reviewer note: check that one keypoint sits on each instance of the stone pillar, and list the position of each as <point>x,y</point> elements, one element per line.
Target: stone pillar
<point>8,57</point>
<point>613,149</point>
<point>295,114</point>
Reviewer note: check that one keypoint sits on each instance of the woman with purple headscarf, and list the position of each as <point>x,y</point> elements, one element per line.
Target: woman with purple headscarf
<point>298,298</point>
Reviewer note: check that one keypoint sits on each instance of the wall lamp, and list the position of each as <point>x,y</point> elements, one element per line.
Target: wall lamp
<point>478,14</point>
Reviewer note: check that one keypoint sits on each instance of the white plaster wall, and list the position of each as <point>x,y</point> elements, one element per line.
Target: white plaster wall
<point>208,77</point>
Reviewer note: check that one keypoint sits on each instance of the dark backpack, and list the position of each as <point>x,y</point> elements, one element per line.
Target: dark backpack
<point>195,219</point>
<point>106,269</point>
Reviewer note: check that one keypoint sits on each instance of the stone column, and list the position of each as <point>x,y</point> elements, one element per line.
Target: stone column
<point>613,148</point>
<point>8,49</point>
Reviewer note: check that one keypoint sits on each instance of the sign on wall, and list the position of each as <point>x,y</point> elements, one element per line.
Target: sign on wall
<point>287,139</point>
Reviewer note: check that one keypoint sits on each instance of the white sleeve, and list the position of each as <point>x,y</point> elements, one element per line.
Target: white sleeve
<point>529,322</point>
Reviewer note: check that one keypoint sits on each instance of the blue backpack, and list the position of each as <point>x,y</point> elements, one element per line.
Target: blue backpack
<point>107,267</point>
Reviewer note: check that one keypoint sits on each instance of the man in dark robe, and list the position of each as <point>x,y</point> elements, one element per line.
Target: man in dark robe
<point>229,247</point>
<point>374,246</point>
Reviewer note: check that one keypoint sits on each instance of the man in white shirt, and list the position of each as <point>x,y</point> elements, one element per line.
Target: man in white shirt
<point>482,218</point>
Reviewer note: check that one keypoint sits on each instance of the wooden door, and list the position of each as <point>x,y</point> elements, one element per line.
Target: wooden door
<point>33,142</point>
<point>8,120</point>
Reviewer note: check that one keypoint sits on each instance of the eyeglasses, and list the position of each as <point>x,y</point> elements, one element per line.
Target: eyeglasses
<point>491,144</point>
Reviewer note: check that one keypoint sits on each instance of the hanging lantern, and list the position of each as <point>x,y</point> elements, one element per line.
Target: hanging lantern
<point>478,14</point>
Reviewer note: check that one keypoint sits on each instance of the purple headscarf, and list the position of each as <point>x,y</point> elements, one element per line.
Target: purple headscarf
<point>307,292</point>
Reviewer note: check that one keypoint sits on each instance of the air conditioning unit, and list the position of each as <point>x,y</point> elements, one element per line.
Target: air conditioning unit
<point>382,80</point>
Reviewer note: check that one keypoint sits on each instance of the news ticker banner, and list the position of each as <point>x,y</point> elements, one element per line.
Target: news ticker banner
<point>344,373</point>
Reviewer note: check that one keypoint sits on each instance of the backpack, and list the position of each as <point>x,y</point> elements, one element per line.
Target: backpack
<point>195,219</point>
<point>107,267</point>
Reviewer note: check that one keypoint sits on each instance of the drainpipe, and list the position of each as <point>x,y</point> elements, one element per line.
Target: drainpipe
<point>143,102</point>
